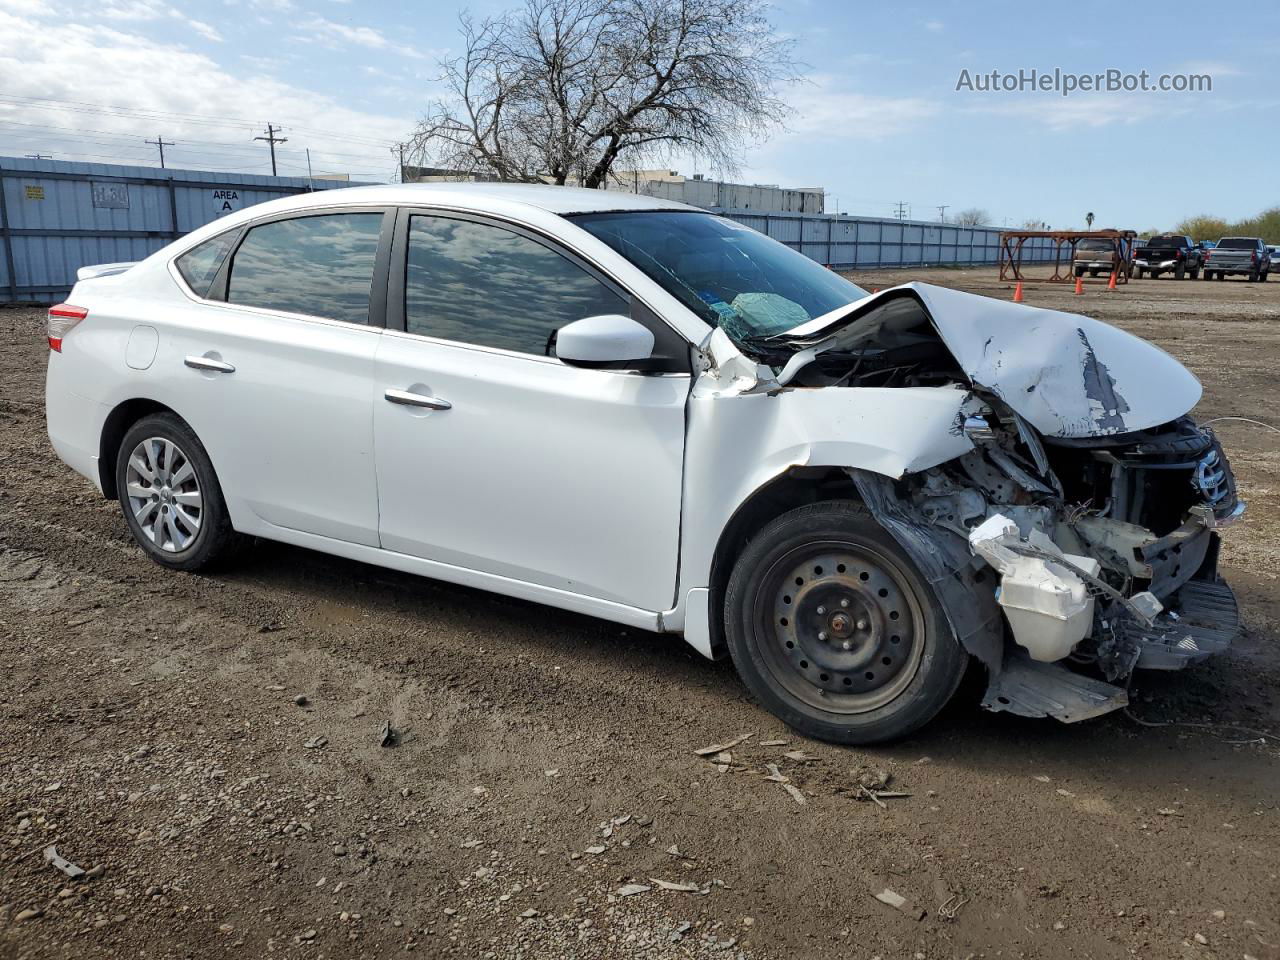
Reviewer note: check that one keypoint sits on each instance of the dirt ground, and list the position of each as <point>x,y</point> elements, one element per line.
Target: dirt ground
<point>149,728</point>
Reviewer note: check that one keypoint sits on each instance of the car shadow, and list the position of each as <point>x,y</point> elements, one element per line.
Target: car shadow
<point>1110,749</point>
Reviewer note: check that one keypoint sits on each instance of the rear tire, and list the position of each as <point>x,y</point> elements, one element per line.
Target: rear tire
<point>1137,273</point>
<point>834,631</point>
<point>170,494</point>
<point>1179,273</point>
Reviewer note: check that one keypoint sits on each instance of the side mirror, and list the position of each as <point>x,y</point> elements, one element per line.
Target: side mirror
<point>609,340</point>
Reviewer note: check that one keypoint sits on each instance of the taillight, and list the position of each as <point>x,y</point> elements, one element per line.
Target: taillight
<point>62,318</point>
<point>1253,258</point>
<point>1178,255</point>
<point>1208,254</point>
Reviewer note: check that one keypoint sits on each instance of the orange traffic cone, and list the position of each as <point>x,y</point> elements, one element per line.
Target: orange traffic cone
<point>1111,284</point>
<point>875,289</point>
<point>1079,286</point>
<point>1017,293</point>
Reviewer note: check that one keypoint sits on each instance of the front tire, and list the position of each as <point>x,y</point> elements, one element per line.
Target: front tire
<point>170,494</point>
<point>833,629</point>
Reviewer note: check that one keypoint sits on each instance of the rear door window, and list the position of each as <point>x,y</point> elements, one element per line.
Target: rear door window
<point>199,265</point>
<point>320,266</point>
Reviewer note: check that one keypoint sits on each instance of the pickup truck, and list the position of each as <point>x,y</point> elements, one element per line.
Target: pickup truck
<point>1096,256</point>
<point>1241,255</point>
<point>1168,254</point>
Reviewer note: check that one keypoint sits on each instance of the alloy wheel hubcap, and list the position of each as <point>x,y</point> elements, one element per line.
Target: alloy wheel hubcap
<point>164,494</point>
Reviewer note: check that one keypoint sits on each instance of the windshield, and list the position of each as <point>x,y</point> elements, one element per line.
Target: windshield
<point>730,275</point>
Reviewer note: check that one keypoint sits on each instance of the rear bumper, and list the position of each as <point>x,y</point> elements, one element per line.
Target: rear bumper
<point>75,425</point>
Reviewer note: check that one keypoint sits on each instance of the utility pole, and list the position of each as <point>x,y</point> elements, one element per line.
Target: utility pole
<point>272,140</point>
<point>900,210</point>
<point>942,212</point>
<point>160,142</point>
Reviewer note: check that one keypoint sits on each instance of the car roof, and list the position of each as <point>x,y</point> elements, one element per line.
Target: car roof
<point>553,199</point>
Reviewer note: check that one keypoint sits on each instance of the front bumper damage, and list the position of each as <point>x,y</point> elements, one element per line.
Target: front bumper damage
<point>1065,568</point>
<point>1069,437</point>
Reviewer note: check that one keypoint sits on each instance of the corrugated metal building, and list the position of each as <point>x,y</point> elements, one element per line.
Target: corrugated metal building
<point>57,216</point>
<point>719,195</point>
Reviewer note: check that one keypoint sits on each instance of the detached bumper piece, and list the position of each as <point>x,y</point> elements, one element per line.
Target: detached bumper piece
<point>1030,688</point>
<point>1201,619</point>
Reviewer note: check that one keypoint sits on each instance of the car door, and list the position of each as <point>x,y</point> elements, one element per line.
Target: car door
<point>277,368</point>
<point>520,465</point>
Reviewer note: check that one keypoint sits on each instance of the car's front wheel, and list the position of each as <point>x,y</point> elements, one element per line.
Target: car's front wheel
<point>833,629</point>
<point>170,494</point>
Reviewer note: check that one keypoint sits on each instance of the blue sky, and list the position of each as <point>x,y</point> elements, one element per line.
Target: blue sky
<point>877,120</point>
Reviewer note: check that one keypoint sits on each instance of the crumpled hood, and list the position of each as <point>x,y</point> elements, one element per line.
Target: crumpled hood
<point>1067,374</point>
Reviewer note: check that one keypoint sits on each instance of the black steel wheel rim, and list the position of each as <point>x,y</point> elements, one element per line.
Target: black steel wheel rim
<point>840,625</point>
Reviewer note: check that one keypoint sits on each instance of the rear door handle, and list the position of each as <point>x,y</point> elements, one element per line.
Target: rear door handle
<point>207,363</point>
<point>407,399</point>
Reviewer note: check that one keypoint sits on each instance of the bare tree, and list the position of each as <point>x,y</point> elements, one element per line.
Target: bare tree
<point>973,217</point>
<point>565,90</point>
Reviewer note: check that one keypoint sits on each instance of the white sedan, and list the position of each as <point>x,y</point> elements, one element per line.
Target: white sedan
<point>637,410</point>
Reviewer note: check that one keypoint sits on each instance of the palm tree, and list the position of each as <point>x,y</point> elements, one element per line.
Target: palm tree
<point>1088,219</point>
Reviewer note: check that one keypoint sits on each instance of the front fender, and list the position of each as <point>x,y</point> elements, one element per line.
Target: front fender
<point>738,443</point>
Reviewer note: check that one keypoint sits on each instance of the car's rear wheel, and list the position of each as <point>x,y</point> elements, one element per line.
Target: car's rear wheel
<point>833,629</point>
<point>1179,273</point>
<point>1137,273</point>
<point>170,494</point>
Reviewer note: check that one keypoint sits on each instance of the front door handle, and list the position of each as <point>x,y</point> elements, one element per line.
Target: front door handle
<point>407,399</point>
<point>207,363</point>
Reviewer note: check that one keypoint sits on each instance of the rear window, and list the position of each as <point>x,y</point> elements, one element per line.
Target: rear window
<point>320,266</point>
<point>1166,241</point>
<point>1238,243</point>
<point>200,264</point>
<point>1099,246</point>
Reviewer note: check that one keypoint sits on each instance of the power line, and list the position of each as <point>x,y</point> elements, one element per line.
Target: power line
<point>160,142</point>
<point>272,140</point>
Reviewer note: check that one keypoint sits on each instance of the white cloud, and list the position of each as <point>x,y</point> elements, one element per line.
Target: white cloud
<point>205,30</point>
<point>1215,68</point>
<point>821,108</point>
<point>183,90</point>
<point>934,26</point>
<point>323,30</point>
<point>1087,111</point>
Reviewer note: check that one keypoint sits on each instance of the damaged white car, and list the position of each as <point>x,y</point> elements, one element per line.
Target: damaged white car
<point>648,413</point>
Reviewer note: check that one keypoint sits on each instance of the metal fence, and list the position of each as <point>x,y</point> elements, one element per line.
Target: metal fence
<point>866,242</point>
<point>57,216</point>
